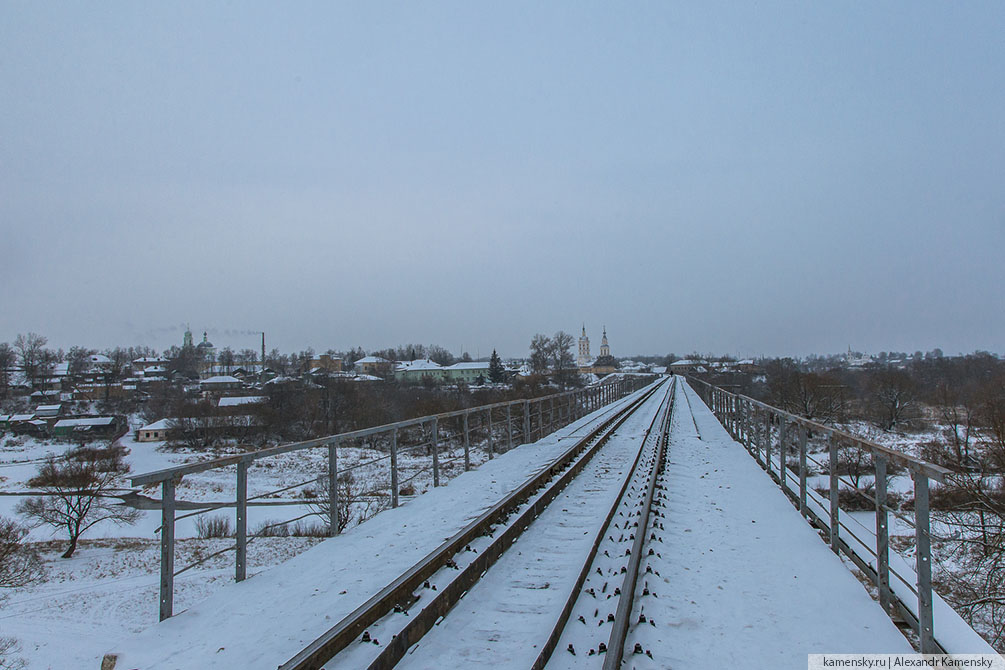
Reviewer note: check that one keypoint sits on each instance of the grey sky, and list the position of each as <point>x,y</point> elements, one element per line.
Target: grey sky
<point>769,178</point>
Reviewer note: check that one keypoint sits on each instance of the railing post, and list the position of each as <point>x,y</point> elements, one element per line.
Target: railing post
<point>167,549</point>
<point>394,467</point>
<point>509,427</point>
<point>767,441</point>
<point>333,501</point>
<point>882,535</point>
<point>540,419</point>
<point>747,409</point>
<point>834,492</point>
<point>492,448</point>
<point>781,451</point>
<point>436,453</point>
<point>924,564</point>
<point>802,470</point>
<point>526,421</point>
<point>467,445</point>
<point>733,416</point>
<point>241,551</point>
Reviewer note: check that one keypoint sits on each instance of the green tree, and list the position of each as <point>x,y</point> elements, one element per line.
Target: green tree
<point>497,373</point>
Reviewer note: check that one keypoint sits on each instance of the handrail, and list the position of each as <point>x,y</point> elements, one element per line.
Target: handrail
<point>737,414</point>
<point>531,425</point>
<point>931,470</point>
<point>251,456</point>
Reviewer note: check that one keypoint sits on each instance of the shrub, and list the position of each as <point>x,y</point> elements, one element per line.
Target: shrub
<point>272,528</point>
<point>304,528</point>
<point>213,526</point>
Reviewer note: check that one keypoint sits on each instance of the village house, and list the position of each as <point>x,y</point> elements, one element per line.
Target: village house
<point>374,365</point>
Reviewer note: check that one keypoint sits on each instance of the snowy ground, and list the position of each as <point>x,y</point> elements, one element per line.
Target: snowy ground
<point>107,591</point>
<point>109,587</point>
<point>735,601</point>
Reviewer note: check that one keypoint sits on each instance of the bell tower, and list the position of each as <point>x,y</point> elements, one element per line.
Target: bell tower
<point>583,360</point>
<point>605,349</point>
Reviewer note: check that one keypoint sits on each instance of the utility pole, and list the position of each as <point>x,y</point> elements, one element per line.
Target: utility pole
<point>261,374</point>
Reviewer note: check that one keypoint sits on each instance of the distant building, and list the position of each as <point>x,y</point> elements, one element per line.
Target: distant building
<point>418,370</point>
<point>220,383</point>
<point>88,427</point>
<point>684,367</point>
<point>374,365</point>
<point>327,363</point>
<point>147,362</point>
<point>603,364</point>
<point>583,360</point>
<point>469,372</point>
<point>154,432</point>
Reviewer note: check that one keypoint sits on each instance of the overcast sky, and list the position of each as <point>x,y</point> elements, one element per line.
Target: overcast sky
<point>747,178</point>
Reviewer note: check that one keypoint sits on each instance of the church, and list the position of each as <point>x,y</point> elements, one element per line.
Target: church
<point>603,364</point>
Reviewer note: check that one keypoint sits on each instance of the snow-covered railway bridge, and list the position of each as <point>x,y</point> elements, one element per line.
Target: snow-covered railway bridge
<point>640,535</point>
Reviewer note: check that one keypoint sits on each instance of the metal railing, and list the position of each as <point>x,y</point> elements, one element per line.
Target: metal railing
<point>455,435</point>
<point>768,433</point>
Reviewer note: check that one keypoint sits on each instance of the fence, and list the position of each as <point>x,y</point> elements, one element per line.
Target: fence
<point>768,432</point>
<point>448,442</point>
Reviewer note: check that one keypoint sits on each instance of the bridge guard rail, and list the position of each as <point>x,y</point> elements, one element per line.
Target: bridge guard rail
<point>764,430</point>
<point>498,426</point>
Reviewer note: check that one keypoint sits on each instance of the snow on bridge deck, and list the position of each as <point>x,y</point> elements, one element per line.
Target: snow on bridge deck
<point>746,581</point>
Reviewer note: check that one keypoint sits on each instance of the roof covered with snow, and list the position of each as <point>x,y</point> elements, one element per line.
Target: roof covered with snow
<point>90,421</point>
<point>418,364</point>
<point>372,359</point>
<point>221,379</point>
<point>474,365</point>
<point>161,424</point>
<point>241,400</point>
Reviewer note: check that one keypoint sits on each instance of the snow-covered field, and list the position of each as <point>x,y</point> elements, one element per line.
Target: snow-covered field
<point>108,589</point>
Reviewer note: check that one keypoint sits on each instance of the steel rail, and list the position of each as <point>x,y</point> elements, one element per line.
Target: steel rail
<point>549,647</point>
<point>401,590</point>
<point>622,616</point>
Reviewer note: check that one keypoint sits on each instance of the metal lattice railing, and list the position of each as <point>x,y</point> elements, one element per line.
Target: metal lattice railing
<point>768,433</point>
<point>448,440</point>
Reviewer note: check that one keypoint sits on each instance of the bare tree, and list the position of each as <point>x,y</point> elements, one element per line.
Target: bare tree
<point>7,359</point>
<point>33,356</point>
<point>439,355</point>
<point>113,370</point>
<point>226,360</point>
<point>8,646</point>
<point>540,353</point>
<point>78,363</point>
<point>893,396</point>
<point>77,492</point>
<point>355,504</point>
<point>562,360</point>
<point>810,394</point>
<point>956,403</point>
<point>20,565</point>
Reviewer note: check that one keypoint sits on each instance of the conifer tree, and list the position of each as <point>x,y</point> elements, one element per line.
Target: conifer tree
<point>497,373</point>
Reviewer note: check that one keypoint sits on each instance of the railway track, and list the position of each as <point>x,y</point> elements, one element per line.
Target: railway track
<point>483,594</point>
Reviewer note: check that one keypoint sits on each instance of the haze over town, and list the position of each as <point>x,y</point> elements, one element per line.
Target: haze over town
<point>816,176</point>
